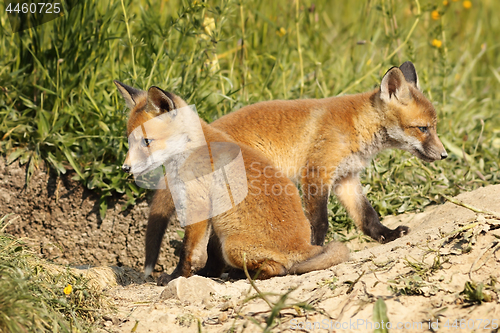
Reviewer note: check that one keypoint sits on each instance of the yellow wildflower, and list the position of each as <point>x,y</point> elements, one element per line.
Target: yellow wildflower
<point>281,32</point>
<point>445,3</point>
<point>208,27</point>
<point>68,289</point>
<point>467,4</point>
<point>435,15</point>
<point>437,43</point>
<point>213,64</point>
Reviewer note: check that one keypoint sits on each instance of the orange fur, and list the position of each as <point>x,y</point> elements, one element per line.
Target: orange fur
<point>269,228</point>
<point>325,143</point>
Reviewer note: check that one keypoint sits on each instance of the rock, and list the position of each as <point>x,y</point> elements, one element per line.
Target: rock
<point>5,196</point>
<point>230,304</point>
<point>192,290</point>
<point>222,317</point>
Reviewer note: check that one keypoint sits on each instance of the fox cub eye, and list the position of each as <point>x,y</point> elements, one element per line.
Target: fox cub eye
<point>146,142</point>
<point>423,129</point>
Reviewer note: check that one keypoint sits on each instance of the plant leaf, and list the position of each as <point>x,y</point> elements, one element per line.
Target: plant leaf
<point>380,316</point>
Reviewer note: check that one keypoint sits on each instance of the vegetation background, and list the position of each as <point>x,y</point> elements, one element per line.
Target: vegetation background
<point>58,102</point>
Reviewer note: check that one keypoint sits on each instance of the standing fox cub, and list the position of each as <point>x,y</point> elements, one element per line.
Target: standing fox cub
<point>325,144</point>
<point>270,229</point>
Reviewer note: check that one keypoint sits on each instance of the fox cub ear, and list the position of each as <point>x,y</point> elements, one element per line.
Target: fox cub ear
<point>410,73</point>
<point>394,87</point>
<point>130,94</point>
<point>159,101</point>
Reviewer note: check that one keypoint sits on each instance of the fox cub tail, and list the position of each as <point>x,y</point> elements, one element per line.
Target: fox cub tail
<point>332,254</point>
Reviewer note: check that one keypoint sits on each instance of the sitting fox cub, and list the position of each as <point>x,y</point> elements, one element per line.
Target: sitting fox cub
<point>270,229</point>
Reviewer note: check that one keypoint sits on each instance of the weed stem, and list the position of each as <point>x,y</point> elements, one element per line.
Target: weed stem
<point>129,39</point>
<point>370,72</point>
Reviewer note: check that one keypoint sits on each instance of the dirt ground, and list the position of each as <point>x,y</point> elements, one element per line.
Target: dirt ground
<point>60,220</point>
<point>441,277</point>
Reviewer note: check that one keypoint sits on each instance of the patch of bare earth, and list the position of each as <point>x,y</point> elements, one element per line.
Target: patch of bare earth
<point>440,277</point>
<point>60,220</point>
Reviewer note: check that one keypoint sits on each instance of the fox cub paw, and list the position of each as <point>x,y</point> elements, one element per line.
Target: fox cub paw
<point>164,279</point>
<point>394,234</point>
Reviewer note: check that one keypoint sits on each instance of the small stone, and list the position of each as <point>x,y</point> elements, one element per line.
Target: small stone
<point>5,196</point>
<point>230,304</point>
<point>189,290</point>
<point>207,302</point>
<point>222,317</point>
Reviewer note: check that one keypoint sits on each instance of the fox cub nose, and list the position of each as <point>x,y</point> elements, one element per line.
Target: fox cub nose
<point>444,155</point>
<point>126,168</point>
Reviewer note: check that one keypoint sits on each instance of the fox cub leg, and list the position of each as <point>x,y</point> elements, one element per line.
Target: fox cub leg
<point>267,268</point>
<point>305,258</point>
<point>162,212</point>
<point>193,254</point>
<point>350,194</point>
<point>215,264</point>
<point>261,269</point>
<point>316,187</point>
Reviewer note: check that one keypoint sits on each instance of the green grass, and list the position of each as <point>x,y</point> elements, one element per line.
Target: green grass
<point>58,102</point>
<point>32,297</point>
